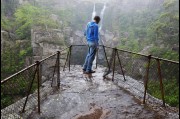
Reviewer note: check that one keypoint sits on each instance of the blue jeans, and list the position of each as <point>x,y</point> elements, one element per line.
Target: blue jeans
<point>90,57</point>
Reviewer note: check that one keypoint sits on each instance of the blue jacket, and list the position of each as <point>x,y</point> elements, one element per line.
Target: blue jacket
<point>91,32</point>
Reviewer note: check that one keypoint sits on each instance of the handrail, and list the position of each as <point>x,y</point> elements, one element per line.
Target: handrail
<point>48,57</point>
<point>86,45</point>
<point>176,62</point>
<point>53,54</point>
<point>6,79</point>
<point>157,58</point>
<point>57,64</point>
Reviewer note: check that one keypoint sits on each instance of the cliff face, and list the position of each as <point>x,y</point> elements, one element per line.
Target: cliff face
<point>8,38</point>
<point>45,43</point>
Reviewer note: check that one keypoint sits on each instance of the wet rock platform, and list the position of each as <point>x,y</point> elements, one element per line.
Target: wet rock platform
<point>80,97</point>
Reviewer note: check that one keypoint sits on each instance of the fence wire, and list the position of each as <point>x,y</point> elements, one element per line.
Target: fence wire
<point>47,68</point>
<point>169,73</point>
<point>14,93</point>
<point>48,75</point>
<point>135,69</point>
<point>24,86</point>
<point>78,54</point>
<point>126,68</point>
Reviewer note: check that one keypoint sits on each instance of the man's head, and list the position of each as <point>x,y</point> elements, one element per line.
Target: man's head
<point>97,19</point>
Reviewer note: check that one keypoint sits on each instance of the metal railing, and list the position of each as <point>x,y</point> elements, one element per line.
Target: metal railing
<point>157,75</point>
<point>25,88</point>
<point>22,92</point>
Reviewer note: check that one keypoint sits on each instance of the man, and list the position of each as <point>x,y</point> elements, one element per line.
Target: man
<point>92,37</point>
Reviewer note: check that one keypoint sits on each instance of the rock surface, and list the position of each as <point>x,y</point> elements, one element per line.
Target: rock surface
<point>80,97</point>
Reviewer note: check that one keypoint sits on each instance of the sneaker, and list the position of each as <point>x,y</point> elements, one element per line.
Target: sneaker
<point>89,72</point>
<point>84,71</point>
<point>92,71</point>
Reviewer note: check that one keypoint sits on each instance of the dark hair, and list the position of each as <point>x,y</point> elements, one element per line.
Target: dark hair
<point>97,19</point>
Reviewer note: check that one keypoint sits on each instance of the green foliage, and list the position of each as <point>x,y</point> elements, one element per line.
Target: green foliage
<point>134,28</point>
<point>164,53</point>
<point>131,45</point>
<point>157,24</point>
<point>16,88</point>
<point>22,53</point>
<point>6,24</point>
<point>5,100</point>
<point>171,91</point>
<point>13,59</point>
<point>138,28</point>
<point>169,3</point>
<point>66,16</point>
<point>28,16</point>
<point>166,27</point>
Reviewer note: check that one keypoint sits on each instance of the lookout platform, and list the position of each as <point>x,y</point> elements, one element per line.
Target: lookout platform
<point>80,97</point>
<point>56,88</point>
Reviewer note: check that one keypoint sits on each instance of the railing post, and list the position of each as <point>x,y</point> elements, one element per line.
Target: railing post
<point>29,90</point>
<point>147,78</point>
<point>53,74</point>
<point>40,73</point>
<point>106,58</point>
<point>58,69</point>
<point>66,61</point>
<point>120,65</point>
<point>70,56</point>
<point>38,79</point>
<point>160,80</point>
<point>115,50</point>
<point>109,63</point>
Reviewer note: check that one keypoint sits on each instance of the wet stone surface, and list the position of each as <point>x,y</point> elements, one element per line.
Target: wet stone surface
<point>95,98</point>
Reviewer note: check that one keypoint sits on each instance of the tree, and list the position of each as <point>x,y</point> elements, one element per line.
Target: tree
<point>166,27</point>
<point>28,16</point>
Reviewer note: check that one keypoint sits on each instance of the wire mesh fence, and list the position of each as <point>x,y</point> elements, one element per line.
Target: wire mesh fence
<point>106,59</point>
<point>48,69</point>
<point>153,82</point>
<point>135,69</point>
<point>20,93</point>
<point>170,76</point>
<point>15,91</point>
<point>48,75</point>
<point>130,71</point>
<point>78,54</point>
<point>167,73</point>
<point>129,64</point>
